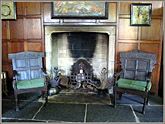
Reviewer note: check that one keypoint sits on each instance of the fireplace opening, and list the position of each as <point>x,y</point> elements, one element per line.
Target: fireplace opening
<point>69,47</point>
<point>92,45</point>
<point>82,44</point>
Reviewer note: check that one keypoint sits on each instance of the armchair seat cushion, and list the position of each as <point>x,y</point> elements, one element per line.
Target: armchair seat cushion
<point>34,83</point>
<point>133,84</point>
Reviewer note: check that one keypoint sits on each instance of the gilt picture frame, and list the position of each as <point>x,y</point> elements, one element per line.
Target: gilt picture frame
<point>80,10</point>
<point>8,10</point>
<point>141,14</point>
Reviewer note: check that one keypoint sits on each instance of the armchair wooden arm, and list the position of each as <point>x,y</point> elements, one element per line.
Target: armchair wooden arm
<point>148,79</point>
<point>116,75</point>
<point>44,72</point>
<point>46,76</point>
<point>148,76</point>
<point>15,75</point>
<point>15,78</point>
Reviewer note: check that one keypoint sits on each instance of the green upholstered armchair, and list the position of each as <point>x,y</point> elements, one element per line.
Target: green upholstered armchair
<point>28,75</point>
<point>135,75</point>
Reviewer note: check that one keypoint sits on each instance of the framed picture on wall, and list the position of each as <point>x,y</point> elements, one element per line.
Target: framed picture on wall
<point>80,9</point>
<point>141,14</point>
<point>8,10</point>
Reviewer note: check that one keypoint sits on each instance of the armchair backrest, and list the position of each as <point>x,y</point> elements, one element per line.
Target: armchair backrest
<point>136,64</point>
<point>27,64</point>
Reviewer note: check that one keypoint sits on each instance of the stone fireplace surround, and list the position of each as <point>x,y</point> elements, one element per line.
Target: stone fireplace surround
<point>68,62</point>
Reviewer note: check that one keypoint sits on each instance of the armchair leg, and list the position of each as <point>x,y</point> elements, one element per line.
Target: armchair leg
<point>43,93</point>
<point>46,98</point>
<point>16,101</point>
<point>145,100</point>
<point>120,96</point>
<point>115,99</point>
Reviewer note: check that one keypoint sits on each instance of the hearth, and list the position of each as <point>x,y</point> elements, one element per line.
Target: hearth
<point>89,49</point>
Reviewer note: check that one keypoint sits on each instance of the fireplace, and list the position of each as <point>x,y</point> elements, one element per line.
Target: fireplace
<point>82,75</point>
<point>66,45</point>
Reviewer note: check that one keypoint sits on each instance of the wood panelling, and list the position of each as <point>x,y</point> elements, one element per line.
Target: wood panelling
<point>35,47</point>
<point>124,47</point>
<point>47,13</point>
<point>14,47</point>
<point>152,32</point>
<point>151,48</point>
<point>5,52</point>
<point>33,8</point>
<point>125,7</point>
<point>4,29</point>
<point>126,31</point>
<point>155,79</point>
<point>140,41</point>
<point>156,7</point>
<point>9,70</point>
<point>112,12</point>
<point>16,29</point>
<point>112,15</point>
<point>20,8</point>
<point>33,28</point>
<point>28,8</point>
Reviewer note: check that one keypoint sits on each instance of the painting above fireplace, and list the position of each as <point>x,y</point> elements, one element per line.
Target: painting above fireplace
<point>80,9</point>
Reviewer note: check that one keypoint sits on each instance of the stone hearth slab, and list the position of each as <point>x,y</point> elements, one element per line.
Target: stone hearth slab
<point>62,112</point>
<point>138,100</point>
<point>152,113</point>
<point>26,112</point>
<point>25,96</point>
<point>78,98</point>
<point>20,120</point>
<point>155,100</point>
<point>105,113</point>
<point>130,99</point>
<point>7,105</point>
